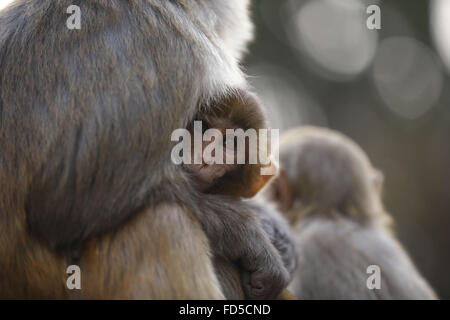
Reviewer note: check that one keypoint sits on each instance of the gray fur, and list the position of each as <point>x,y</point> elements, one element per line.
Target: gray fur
<point>331,194</point>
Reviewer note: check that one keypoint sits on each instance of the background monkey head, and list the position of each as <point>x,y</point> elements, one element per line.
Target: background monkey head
<point>324,172</point>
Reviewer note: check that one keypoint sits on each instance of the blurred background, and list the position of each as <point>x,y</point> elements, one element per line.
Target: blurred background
<point>316,62</point>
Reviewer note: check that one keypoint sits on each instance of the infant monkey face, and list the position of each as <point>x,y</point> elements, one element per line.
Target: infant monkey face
<point>214,152</point>
<point>222,152</point>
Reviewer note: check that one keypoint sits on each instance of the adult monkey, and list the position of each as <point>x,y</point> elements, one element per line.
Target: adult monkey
<point>85,171</point>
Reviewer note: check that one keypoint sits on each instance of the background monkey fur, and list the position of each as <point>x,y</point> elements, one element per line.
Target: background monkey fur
<point>85,172</point>
<point>331,195</point>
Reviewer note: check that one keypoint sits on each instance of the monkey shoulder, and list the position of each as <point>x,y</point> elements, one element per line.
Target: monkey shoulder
<point>335,254</point>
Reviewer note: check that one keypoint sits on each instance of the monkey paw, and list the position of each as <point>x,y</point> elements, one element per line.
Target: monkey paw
<point>281,238</point>
<point>265,283</point>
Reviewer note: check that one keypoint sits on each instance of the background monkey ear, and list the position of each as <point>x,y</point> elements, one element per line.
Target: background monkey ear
<point>378,180</point>
<point>283,191</point>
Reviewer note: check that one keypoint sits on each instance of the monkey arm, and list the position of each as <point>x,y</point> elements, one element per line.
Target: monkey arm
<point>237,235</point>
<point>279,232</point>
<point>281,238</point>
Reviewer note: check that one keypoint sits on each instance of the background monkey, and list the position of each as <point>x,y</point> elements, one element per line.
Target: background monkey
<point>85,170</point>
<point>330,193</point>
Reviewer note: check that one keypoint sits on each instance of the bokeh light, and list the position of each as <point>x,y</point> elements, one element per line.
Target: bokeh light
<point>407,76</point>
<point>333,34</point>
<point>286,101</point>
<point>440,26</point>
<point>4,3</point>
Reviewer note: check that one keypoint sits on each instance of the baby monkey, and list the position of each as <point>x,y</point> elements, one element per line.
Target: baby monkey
<point>218,171</point>
<point>331,195</point>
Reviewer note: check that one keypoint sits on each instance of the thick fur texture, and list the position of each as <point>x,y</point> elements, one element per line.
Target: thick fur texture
<point>85,170</point>
<point>280,235</point>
